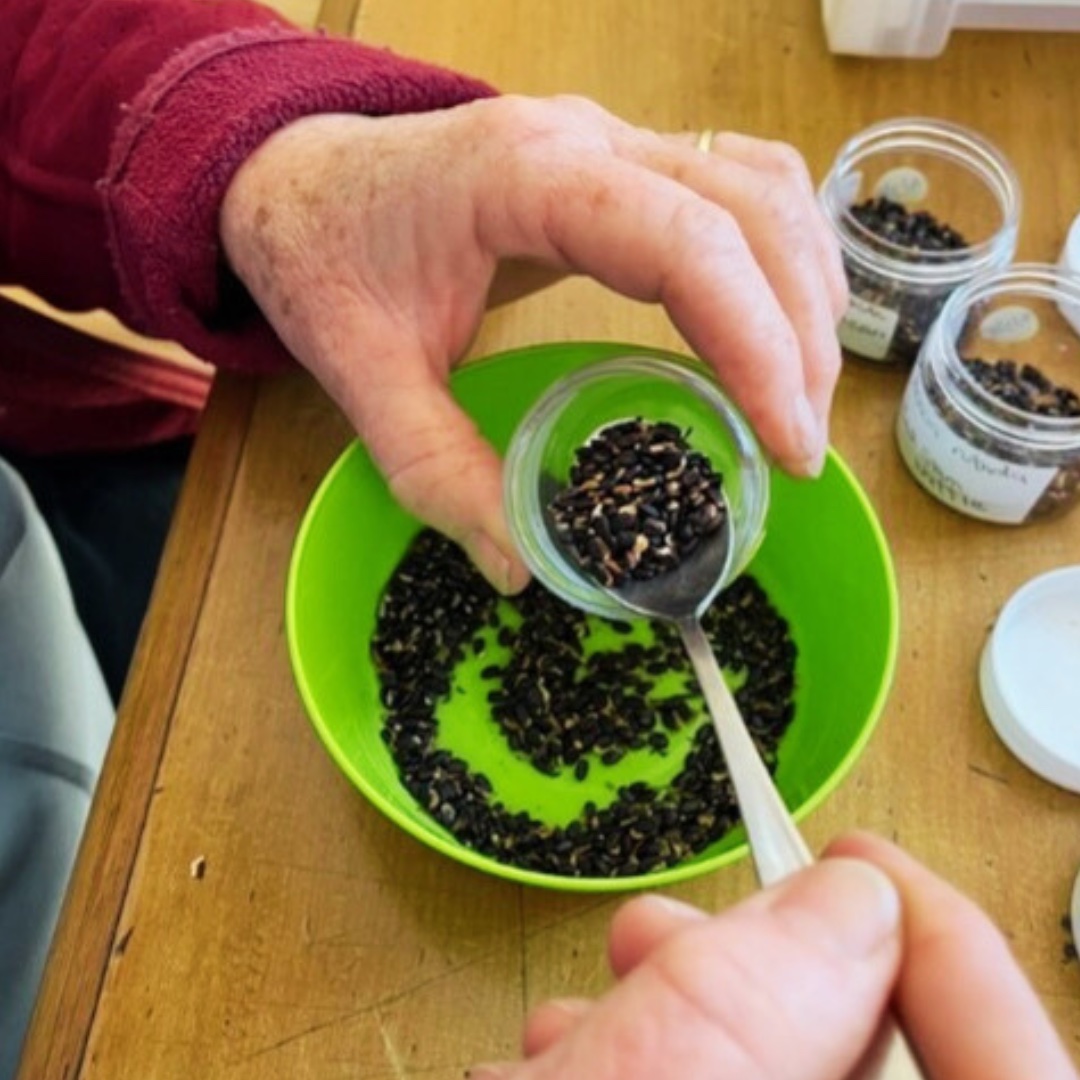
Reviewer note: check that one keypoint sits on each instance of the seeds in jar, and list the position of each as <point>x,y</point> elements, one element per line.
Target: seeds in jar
<point>1024,387</point>
<point>573,695</point>
<point>968,465</point>
<point>639,502</point>
<point>888,320</point>
<point>916,231</point>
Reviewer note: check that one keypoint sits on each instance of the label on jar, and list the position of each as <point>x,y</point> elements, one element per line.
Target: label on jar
<point>867,329</point>
<point>904,185</point>
<point>1014,322</point>
<point>962,475</point>
<point>848,187</point>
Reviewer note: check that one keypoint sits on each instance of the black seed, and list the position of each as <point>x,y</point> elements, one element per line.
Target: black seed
<point>639,501</point>
<point>914,236</point>
<point>558,703</point>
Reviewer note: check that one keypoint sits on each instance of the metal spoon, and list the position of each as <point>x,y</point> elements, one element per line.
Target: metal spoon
<point>682,596</point>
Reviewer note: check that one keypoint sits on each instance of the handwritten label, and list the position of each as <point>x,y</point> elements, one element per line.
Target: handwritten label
<point>904,184</point>
<point>867,329</point>
<point>958,473</point>
<point>1013,322</point>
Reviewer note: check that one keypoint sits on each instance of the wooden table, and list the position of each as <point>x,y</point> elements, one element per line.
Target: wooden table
<point>321,941</point>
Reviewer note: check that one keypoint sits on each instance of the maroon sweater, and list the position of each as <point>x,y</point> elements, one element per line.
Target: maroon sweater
<point>124,122</point>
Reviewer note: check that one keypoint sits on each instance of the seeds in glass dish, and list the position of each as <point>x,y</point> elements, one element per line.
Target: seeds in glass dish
<point>574,709</point>
<point>639,501</point>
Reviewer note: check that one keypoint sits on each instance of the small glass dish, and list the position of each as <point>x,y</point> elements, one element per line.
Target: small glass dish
<point>574,409</point>
<point>965,196</point>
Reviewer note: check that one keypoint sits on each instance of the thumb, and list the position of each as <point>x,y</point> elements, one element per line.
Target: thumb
<point>791,983</point>
<point>440,469</point>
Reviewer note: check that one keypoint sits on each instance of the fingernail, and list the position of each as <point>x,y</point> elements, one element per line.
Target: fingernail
<point>810,436</point>
<point>851,903</point>
<point>489,1071</point>
<point>504,574</point>
<point>671,906</point>
<point>574,1007</point>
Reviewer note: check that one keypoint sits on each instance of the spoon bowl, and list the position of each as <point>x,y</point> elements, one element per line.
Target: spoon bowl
<point>687,591</point>
<point>574,409</point>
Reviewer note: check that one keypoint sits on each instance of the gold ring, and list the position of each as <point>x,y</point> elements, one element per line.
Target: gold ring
<point>704,141</point>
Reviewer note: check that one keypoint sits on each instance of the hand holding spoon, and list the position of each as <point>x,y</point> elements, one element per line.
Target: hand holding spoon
<point>563,422</point>
<point>681,597</point>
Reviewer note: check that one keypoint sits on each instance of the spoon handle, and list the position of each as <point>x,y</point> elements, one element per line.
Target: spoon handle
<point>776,845</point>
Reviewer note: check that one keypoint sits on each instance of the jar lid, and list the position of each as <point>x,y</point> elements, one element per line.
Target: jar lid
<point>1075,910</point>
<point>1028,676</point>
<point>1070,260</point>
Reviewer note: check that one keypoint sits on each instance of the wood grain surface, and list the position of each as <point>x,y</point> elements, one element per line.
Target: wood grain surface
<point>321,941</point>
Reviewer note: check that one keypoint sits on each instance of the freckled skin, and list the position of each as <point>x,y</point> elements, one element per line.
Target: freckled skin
<point>374,245</point>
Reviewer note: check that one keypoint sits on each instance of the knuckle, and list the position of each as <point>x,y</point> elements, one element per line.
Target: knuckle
<point>830,363</point>
<point>787,162</point>
<point>520,119</point>
<point>695,222</point>
<point>580,107</point>
<point>703,235</point>
<point>516,118</point>
<point>784,210</point>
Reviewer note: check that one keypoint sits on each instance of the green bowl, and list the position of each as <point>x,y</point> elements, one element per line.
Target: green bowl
<point>824,564</point>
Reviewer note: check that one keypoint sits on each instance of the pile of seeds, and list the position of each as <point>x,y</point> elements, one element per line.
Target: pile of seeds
<point>572,709</point>
<point>917,230</point>
<point>918,234</point>
<point>638,503</point>
<point>1024,387</point>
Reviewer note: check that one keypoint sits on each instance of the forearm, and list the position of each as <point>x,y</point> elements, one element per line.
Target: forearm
<point>68,70</point>
<point>129,119</point>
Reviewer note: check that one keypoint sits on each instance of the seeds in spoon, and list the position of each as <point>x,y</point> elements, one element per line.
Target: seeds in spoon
<point>638,503</point>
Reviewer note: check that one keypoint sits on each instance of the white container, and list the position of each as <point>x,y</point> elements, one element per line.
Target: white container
<point>976,450</point>
<point>922,27</point>
<point>1076,909</point>
<point>1028,676</point>
<point>1070,262</point>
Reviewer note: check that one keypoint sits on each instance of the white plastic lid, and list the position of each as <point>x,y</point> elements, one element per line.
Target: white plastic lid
<point>1070,260</point>
<point>1030,676</point>
<point>1076,910</point>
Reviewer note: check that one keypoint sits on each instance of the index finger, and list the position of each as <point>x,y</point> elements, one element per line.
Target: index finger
<point>653,239</point>
<point>965,1002</point>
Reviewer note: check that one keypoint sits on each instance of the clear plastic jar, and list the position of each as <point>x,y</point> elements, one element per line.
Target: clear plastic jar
<point>975,425</point>
<point>576,408</point>
<point>923,167</point>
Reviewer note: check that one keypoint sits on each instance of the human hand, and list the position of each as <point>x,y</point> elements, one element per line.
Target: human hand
<point>371,245</point>
<point>792,982</point>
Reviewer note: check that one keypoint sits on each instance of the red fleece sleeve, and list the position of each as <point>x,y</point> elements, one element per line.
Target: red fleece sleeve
<point>127,120</point>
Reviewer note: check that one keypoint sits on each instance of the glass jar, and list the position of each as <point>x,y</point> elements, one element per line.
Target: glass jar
<point>948,194</point>
<point>574,409</point>
<point>990,419</point>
